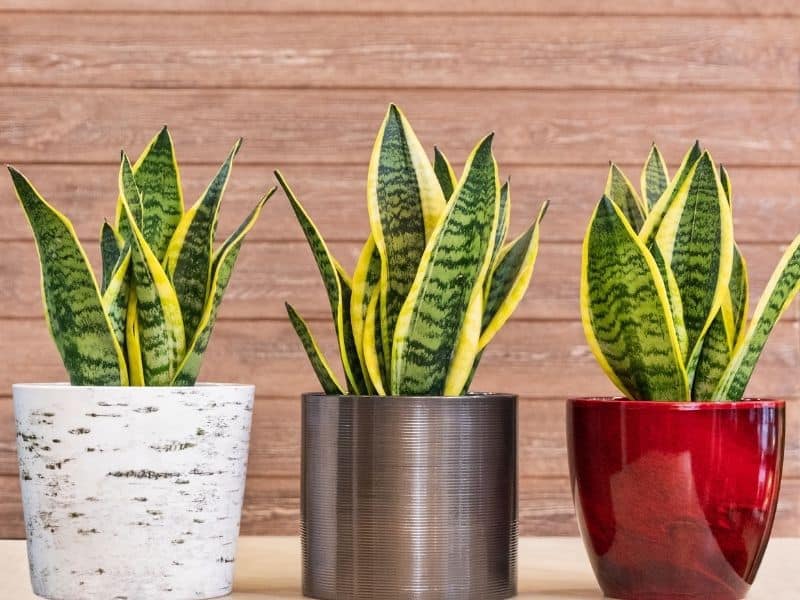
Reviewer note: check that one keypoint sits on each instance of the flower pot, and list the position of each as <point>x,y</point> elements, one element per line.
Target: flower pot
<point>409,497</point>
<point>675,499</point>
<point>132,492</point>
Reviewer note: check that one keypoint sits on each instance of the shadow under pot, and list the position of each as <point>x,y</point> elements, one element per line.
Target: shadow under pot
<point>132,492</point>
<point>409,497</point>
<point>675,499</point>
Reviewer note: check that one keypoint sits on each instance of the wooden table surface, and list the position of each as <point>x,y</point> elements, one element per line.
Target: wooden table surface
<point>550,568</point>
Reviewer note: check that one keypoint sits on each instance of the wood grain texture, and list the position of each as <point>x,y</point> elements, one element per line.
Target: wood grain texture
<point>269,273</point>
<point>765,208</point>
<point>724,8</point>
<point>566,85</point>
<point>285,127</point>
<point>372,51</point>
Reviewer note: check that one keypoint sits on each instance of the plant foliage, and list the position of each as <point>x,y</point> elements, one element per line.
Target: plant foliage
<point>149,320</point>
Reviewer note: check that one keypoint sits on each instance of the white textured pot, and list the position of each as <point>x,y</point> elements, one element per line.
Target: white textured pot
<point>132,492</point>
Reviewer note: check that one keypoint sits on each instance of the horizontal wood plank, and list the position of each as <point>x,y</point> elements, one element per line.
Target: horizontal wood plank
<point>765,203</point>
<point>534,359</point>
<point>271,273</point>
<point>338,126</point>
<point>275,438</point>
<point>346,51</point>
<point>272,507</point>
<point>735,8</point>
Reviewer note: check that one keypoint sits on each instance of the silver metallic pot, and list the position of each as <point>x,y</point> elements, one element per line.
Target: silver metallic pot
<point>409,497</point>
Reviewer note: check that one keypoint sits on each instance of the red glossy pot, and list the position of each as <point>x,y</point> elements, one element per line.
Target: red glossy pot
<point>675,500</point>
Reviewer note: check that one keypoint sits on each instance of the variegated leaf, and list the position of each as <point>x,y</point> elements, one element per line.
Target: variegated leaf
<point>714,356</point>
<point>322,369</point>
<point>110,251</point>
<point>654,179</point>
<point>222,264</point>
<point>130,192</point>
<point>188,257</point>
<point>625,311</point>
<point>674,297</point>
<point>365,283</point>
<point>427,358</point>
<point>115,296</point>
<point>621,191</point>
<point>444,173</point>
<point>74,310</point>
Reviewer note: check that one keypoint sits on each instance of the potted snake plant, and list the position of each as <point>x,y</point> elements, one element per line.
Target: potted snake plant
<point>132,476</point>
<point>409,482</point>
<point>676,484</point>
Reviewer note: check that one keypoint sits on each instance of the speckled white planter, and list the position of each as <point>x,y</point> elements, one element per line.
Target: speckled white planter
<point>132,493</point>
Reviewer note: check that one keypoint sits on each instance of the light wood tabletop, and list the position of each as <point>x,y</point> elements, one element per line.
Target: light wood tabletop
<point>550,568</point>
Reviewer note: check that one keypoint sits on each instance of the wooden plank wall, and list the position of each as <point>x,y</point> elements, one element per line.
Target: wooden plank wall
<point>567,85</point>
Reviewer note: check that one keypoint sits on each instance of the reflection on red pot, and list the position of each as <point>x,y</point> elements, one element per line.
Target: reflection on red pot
<point>675,499</point>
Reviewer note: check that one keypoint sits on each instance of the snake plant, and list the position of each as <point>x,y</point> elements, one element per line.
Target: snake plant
<point>664,287</point>
<point>149,320</point>
<point>435,279</point>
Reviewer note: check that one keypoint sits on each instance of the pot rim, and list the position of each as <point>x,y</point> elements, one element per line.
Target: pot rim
<point>132,389</point>
<point>472,396</point>
<point>656,405</point>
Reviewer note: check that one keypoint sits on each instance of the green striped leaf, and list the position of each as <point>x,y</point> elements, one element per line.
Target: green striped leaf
<point>625,311</point>
<point>365,282</point>
<point>714,357</point>
<point>444,173</point>
<point>653,221</point>
<point>115,296</point>
<point>73,307</point>
<point>157,178</point>
<point>188,257</point>
<point>620,190</point>
<point>674,297</point>
<point>332,280</point>
<point>509,279</point>
<point>726,184</point>
<point>348,342</point>
<point>448,286</point>
<point>322,369</point>
<point>405,202</point>
<point>373,358</point>
<point>110,251</point>
<point>739,290</point>
<point>132,343</point>
<point>130,192</point>
<point>654,179</point>
<point>222,263</point>
<point>502,221</point>
<point>780,291</point>
<point>696,239</point>
<point>158,314</point>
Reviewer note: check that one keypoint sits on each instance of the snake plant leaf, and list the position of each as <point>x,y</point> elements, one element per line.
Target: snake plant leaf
<point>130,192</point>
<point>674,297</point>
<point>79,326</point>
<point>365,282</point>
<point>332,280</point>
<point>739,290</point>
<point>696,239</point>
<point>779,293</point>
<point>621,191</point>
<point>158,313</point>
<point>444,173</point>
<point>625,311</point>
<point>115,296</point>
<point>509,279</point>
<point>222,264</point>
<point>373,357</point>
<point>110,251</point>
<point>322,369</point>
<point>726,184</point>
<point>442,299</point>
<point>714,355</point>
<point>188,257</point>
<point>502,221</point>
<point>158,179</point>
<point>653,221</point>
<point>347,339</point>
<point>654,179</point>
<point>132,343</point>
<point>405,202</point>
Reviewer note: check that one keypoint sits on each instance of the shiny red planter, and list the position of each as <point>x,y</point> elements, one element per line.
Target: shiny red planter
<point>675,500</point>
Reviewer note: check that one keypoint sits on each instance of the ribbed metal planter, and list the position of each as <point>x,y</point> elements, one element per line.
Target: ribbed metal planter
<point>409,497</point>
